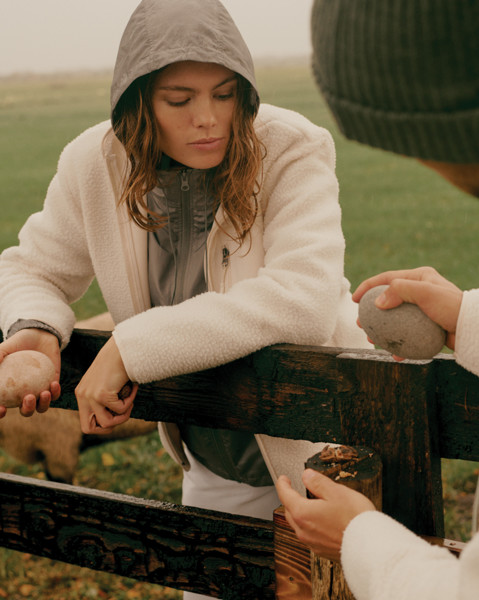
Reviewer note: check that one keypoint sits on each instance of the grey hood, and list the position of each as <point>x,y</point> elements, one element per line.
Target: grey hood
<point>161,32</point>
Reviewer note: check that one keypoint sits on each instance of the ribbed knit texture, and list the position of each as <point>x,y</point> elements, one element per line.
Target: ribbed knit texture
<point>402,75</point>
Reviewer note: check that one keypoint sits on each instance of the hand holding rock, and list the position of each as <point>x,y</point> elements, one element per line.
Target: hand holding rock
<point>24,372</point>
<point>404,331</point>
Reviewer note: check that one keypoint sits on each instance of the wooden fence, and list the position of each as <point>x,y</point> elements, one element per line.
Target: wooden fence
<point>410,414</point>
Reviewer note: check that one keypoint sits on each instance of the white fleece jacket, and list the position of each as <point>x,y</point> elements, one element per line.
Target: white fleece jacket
<point>382,560</point>
<point>467,332</point>
<point>285,286</point>
<point>289,287</point>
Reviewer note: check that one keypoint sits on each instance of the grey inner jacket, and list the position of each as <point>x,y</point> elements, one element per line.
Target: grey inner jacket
<point>176,257</point>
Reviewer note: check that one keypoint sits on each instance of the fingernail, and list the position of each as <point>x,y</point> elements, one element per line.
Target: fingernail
<point>381,300</point>
<point>309,474</point>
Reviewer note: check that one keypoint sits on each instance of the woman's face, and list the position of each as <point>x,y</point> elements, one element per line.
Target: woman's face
<point>194,103</point>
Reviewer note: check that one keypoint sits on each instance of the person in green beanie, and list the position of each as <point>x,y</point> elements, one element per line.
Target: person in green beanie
<point>403,76</point>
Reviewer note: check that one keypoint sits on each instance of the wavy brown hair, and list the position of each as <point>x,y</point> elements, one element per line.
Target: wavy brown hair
<point>234,183</point>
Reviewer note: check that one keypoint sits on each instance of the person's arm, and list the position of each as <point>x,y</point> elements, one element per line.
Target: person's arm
<point>51,267</point>
<point>101,405</point>
<point>381,559</point>
<point>48,270</point>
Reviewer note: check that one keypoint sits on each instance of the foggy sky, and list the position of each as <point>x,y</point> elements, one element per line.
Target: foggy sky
<point>43,36</point>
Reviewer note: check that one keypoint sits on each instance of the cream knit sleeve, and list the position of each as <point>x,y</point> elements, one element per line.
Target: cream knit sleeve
<point>467,332</point>
<point>382,560</point>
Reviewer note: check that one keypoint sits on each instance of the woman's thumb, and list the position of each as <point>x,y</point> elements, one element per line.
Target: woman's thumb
<point>317,483</point>
<point>388,299</point>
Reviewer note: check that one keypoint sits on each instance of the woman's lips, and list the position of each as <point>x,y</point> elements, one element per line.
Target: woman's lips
<point>207,143</point>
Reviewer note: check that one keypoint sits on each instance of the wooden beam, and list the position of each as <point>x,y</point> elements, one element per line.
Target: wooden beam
<point>354,397</point>
<point>296,391</point>
<point>457,397</point>
<point>212,553</point>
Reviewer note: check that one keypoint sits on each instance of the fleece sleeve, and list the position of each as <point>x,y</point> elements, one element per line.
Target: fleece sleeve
<point>467,332</point>
<point>382,560</point>
<point>297,295</point>
<point>49,269</point>
<point>52,265</point>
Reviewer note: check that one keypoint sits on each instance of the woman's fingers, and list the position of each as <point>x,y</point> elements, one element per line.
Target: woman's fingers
<point>439,302</point>
<point>437,297</point>
<point>99,414</point>
<point>425,274</point>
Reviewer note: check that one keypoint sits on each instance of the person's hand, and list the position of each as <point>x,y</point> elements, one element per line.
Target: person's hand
<point>41,341</point>
<point>99,404</point>
<point>320,523</point>
<point>437,297</point>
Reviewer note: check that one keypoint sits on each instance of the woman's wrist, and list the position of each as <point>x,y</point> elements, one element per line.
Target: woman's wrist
<point>33,324</point>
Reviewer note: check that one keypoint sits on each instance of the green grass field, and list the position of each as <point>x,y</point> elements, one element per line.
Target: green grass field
<point>396,214</point>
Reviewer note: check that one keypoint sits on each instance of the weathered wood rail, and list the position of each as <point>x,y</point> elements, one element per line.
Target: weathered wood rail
<point>410,414</point>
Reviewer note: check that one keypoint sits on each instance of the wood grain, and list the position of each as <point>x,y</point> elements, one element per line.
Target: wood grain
<point>221,555</point>
<point>292,561</point>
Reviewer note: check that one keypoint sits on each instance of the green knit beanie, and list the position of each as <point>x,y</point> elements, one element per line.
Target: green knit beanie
<point>402,75</point>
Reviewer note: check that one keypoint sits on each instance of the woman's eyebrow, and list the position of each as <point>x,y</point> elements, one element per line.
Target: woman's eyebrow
<point>183,88</point>
<point>227,80</point>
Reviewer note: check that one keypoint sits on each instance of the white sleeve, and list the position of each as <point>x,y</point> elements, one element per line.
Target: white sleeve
<point>49,269</point>
<point>382,560</point>
<point>467,332</point>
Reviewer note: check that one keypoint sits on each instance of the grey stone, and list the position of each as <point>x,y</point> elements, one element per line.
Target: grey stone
<point>404,331</point>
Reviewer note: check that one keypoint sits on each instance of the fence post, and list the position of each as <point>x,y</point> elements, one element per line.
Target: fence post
<point>292,561</point>
<point>358,468</point>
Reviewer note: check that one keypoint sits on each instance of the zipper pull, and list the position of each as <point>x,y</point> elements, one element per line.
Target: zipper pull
<point>226,257</point>
<point>185,186</point>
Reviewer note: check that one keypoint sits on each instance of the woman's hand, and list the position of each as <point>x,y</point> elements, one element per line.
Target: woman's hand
<point>320,523</point>
<point>41,341</point>
<point>100,407</point>
<point>437,297</point>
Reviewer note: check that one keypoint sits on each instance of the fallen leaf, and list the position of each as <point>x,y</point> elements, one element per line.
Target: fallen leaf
<point>26,589</point>
<point>107,459</point>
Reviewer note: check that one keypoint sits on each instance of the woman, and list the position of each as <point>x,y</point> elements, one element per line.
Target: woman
<point>191,170</point>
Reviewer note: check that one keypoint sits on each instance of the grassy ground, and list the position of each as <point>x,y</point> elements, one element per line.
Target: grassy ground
<point>396,214</point>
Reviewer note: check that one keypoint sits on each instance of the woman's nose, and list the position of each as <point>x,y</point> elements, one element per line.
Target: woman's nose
<point>204,114</point>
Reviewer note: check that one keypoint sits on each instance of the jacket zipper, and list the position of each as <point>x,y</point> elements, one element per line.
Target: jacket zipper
<point>224,264</point>
<point>185,249</point>
<point>185,186</point>
<point>226,258</point>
